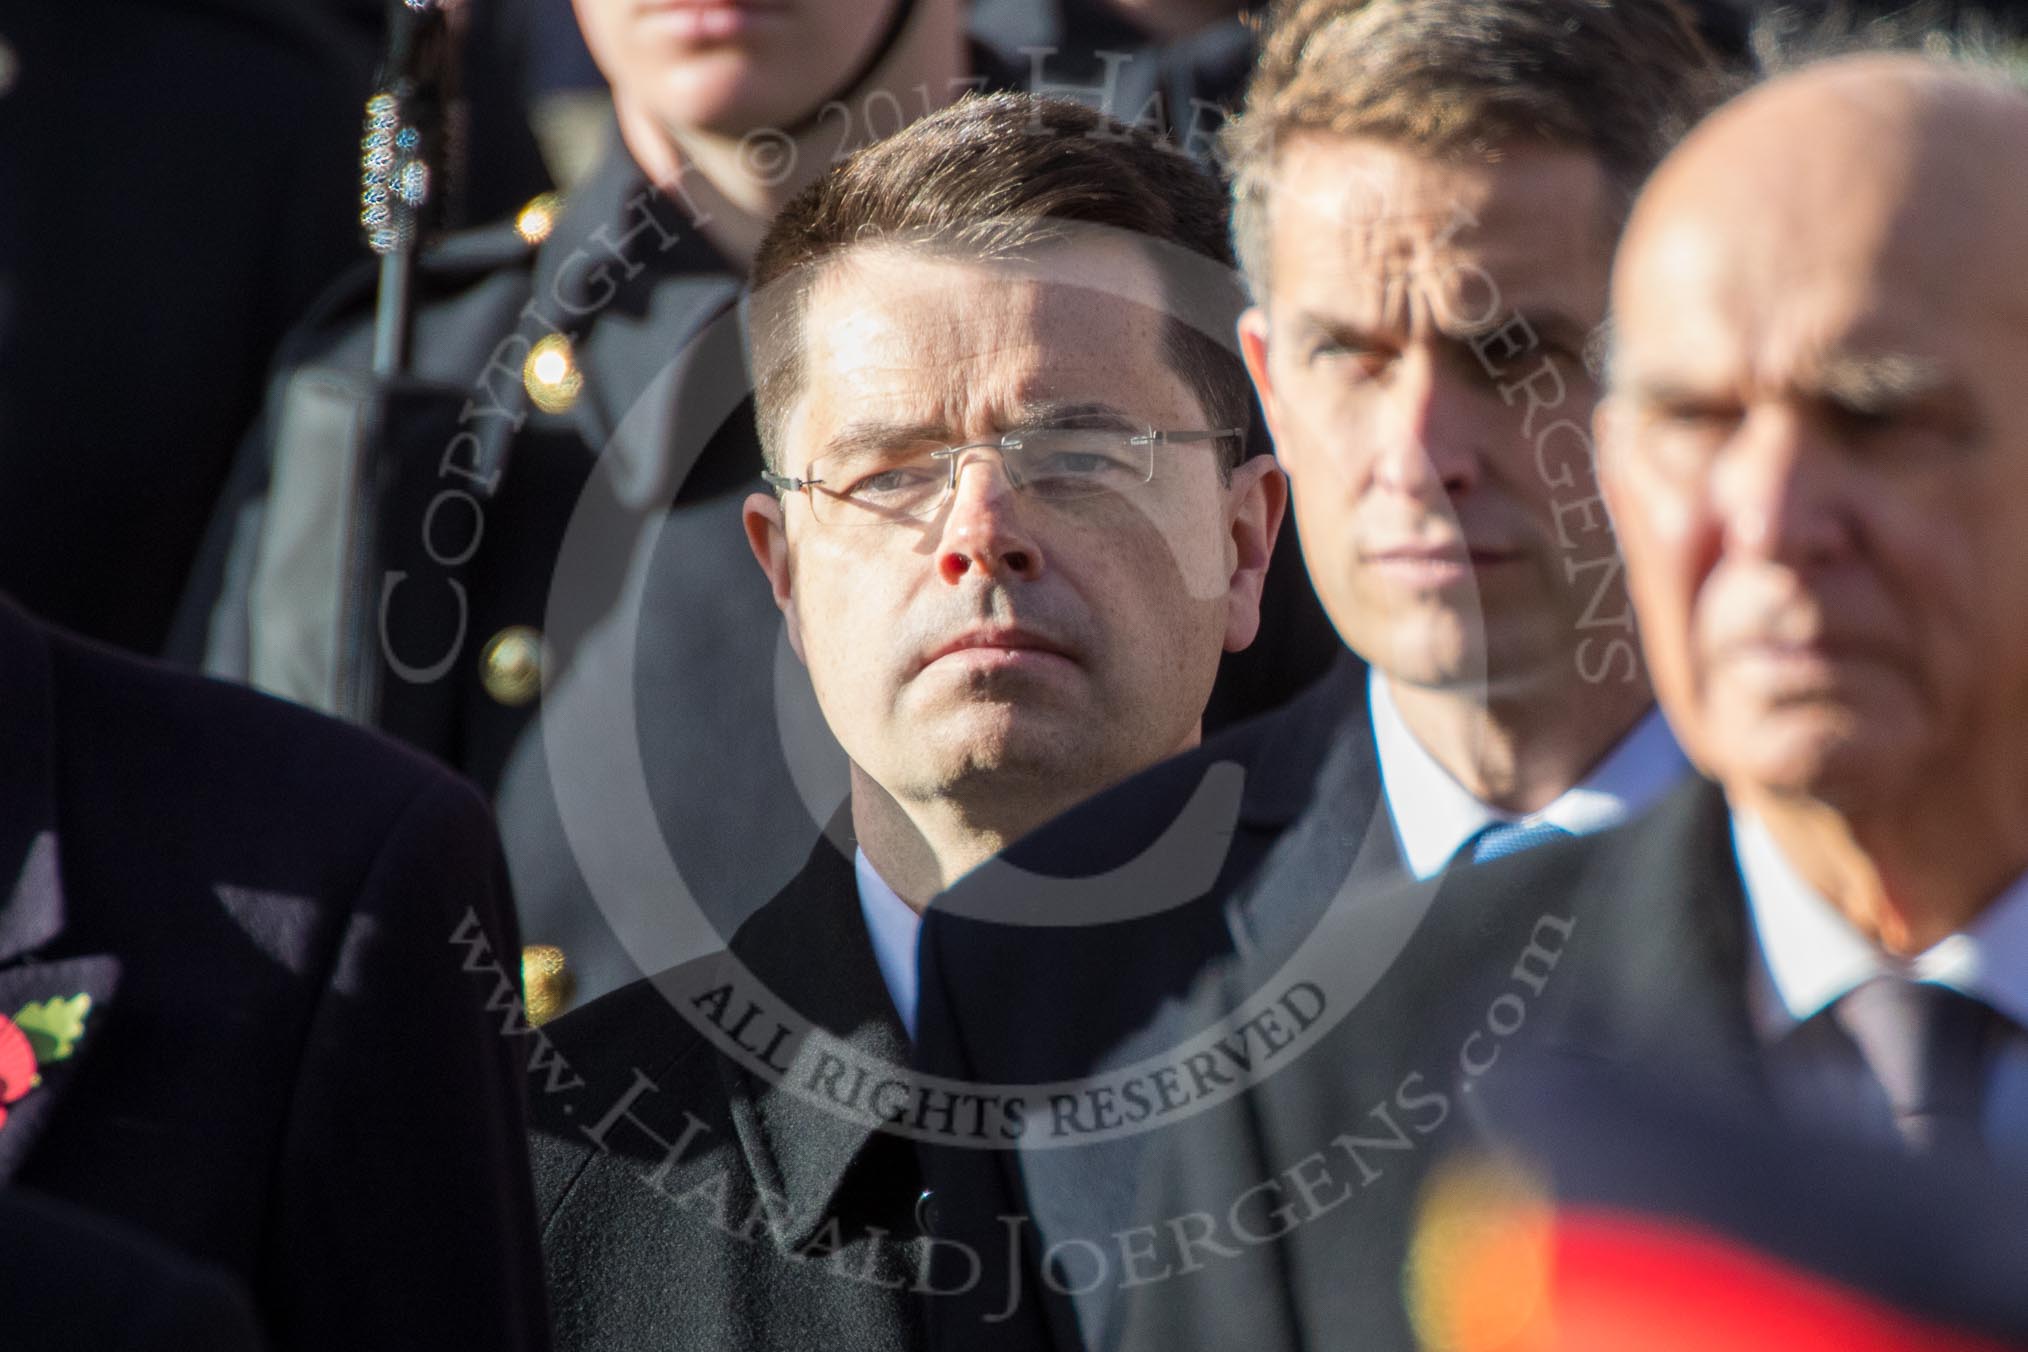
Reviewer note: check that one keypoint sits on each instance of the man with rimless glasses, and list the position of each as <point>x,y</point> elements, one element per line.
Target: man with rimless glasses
<point>882,480</point>
<point>1010,533</point>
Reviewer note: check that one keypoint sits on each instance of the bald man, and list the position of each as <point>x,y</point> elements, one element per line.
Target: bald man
<point>1815,449</point>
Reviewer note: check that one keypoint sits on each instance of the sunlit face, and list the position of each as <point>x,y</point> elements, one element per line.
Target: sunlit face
<point>1419,355</point>
<point>1007,644</point>
<point>1818,457</point>
<point>729,66</point>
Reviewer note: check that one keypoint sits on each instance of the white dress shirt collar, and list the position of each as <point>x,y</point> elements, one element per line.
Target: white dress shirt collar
<point>1810,954</point>
<point>1434,815</point>
<point>895,929</point>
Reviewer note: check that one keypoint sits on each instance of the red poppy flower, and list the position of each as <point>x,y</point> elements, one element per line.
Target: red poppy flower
<point>17,1065</point>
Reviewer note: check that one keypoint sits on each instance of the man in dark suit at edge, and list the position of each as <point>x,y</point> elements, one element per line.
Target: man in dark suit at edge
<point>1011,534</point>
<point>258,1005</point>
<point>1426,200</point>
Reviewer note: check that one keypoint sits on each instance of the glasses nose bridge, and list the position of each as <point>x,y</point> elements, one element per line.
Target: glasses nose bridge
<point>959,457</point>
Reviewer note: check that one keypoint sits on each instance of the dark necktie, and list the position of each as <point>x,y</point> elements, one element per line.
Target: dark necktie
<point>1504,838</point>
<point>1926,1046</point>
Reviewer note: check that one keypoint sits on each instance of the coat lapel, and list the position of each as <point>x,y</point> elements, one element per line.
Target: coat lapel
<point>810,947</point>
<point>59,1002</point>
<point>32,914</point>
<point>1667,982</point>
<point>1315,786</point>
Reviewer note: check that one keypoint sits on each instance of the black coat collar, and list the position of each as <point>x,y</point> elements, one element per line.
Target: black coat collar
<point>811,948</point>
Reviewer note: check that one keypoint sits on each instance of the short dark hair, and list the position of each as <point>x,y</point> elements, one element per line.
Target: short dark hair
<point>997,176</point>
<point>1621,80</point>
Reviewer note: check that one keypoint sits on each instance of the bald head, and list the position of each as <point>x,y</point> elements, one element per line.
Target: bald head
<point>1817,442</point>
<point>1899,161</point>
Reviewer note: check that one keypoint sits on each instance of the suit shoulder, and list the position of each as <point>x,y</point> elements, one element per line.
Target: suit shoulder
<point>447,269</point>
<point>253,759</point>
<point>639,1029</point>
<point>624,1075</point>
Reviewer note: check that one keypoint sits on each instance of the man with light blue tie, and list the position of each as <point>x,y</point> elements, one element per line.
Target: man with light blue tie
<point>1815,447</point>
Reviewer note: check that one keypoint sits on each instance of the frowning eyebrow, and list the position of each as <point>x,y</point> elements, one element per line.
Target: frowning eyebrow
<point>1552,328</point>
<point>868,436</point>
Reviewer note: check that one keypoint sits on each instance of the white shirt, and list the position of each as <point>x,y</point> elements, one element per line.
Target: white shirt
<point>1434,815</point>
<point>1808,955</point>
<point>896,929</point>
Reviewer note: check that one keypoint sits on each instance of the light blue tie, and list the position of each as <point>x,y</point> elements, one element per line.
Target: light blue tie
<point>1504,838</point>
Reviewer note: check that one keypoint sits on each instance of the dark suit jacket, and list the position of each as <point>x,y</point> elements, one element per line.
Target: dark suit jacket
<point>71,1279</point>
<point>689,1200</point>
<point>286,1070</point>
<point>1029,983</point>
<point>1629,948</point>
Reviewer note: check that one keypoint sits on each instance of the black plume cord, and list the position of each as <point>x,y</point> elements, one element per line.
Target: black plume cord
<point>403,165</point>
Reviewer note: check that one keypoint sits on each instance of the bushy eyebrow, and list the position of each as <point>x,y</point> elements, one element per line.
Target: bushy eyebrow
<point>1552,327</point>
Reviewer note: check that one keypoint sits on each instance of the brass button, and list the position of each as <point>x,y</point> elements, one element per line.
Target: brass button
<point>510,667</point>
<point>538,218</point>
<point>547,982</point>
<point>551,374</point>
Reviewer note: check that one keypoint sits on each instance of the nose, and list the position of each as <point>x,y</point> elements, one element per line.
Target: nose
<point>1778,492</point>
<point>1428,439</point>
<point>984,527</point>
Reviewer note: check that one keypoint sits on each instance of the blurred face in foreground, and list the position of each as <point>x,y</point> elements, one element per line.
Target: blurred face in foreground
<point>1817,453</point>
